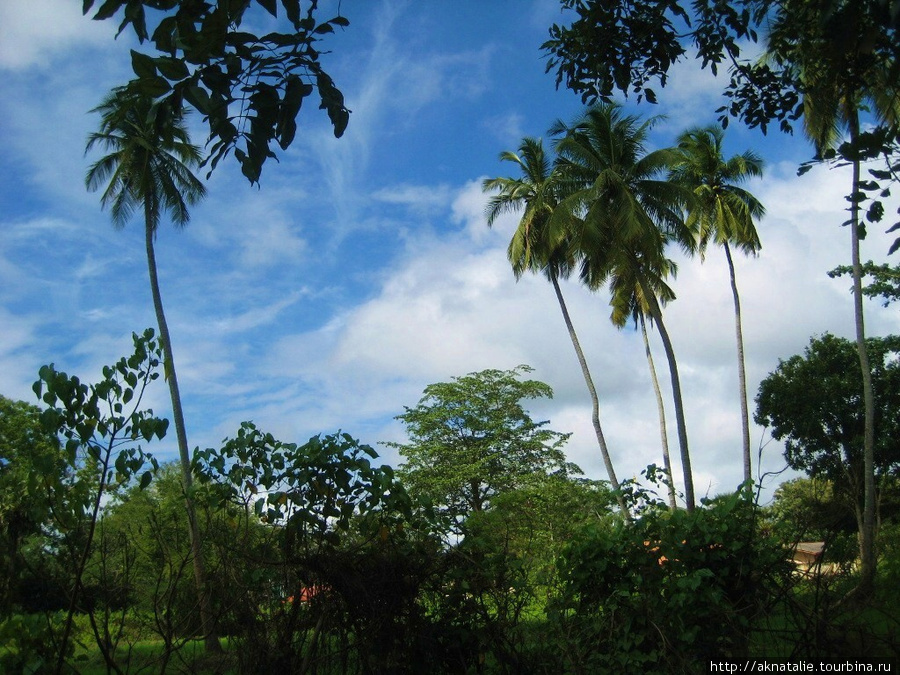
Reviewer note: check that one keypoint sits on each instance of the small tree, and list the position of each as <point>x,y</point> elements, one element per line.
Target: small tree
<point>100,426</point>
<point>471,439</point>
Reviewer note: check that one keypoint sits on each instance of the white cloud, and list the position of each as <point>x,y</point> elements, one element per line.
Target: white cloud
<point>33,32</point>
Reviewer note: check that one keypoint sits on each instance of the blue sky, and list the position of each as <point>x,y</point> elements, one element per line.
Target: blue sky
<point>362,269</point>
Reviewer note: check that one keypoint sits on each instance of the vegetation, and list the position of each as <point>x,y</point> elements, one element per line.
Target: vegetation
<point>149,167</point>
<point>248,87</point>
<point>812,403</point>
<point>486,551</point>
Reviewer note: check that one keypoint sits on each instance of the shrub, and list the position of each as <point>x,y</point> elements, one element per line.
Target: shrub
<point>669,592</point>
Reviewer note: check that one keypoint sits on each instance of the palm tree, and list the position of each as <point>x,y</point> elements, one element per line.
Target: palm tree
<point>640,313</point>
<point>660,406</point>
<point>843,61</point>
<point>149,166</point>
<point>536,247</point>
<point>723,212</point>
<point>625,214</point>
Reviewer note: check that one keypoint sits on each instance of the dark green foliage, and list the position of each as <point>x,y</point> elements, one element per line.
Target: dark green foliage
<point>813,402</point>
<point>670,592</point>
<point>322,553</point>
<point>624,45</point>
<point>248,87</point>
<point>31,461</point>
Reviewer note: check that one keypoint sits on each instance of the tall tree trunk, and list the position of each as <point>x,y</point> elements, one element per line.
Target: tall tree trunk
<point>742,373</point>
<point>595,401</point>
<point>656,314</point>
<point>867,535</point>
<point>206,619</point>
<point>667,460</point>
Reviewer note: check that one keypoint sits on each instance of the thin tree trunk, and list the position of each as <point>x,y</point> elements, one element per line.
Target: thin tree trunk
<point>742,373</point>
<point>656,314</point>
<point>595,401</point>
<point>867,535</point>
<point>82,563</point>
<point>206,619</point>
<point>667,460</point>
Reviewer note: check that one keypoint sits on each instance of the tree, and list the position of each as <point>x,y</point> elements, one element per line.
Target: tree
<point>814,403</point>
<point>149,166</point>
<point>99,426</point>
<point>30,461</point>
<point>535,247</point>
<point>470,439</point>
<point>836,84</point>
<point>825,61</point>
<point>723,212</point>
<point>248,87</point>
<point>624,214</point>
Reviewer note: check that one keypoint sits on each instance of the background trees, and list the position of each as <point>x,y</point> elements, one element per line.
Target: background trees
<point>471,439</point>
<point>814,403</point>
<point>31,461</point>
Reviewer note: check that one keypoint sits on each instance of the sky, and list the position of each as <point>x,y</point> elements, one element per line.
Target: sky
<point>362,269</point>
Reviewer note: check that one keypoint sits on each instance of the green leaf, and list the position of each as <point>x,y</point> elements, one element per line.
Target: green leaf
<point>107,9</point>
<point>143,66</point>
<point>145,479</point>
<point>270,6</point>
<point>172,69</point>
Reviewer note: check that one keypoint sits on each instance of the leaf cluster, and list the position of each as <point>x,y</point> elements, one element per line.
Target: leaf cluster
<point>625,45</point>
<point>314,490</point>
<point>95,420</point>
<point>885,282</point>
<point>249,88</point>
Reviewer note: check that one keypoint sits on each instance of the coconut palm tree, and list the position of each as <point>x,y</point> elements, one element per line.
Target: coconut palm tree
<point>626,214</point>
<point>723,212</point>
<point>536,247</point>
<point>843,62</point>
<point>148,167</point>
<point>661,408</point>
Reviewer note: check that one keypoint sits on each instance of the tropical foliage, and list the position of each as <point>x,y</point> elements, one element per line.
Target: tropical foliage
<point>486,550</point>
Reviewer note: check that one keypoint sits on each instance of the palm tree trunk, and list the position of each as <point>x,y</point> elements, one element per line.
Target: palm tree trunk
<point>667,460</point>
<point>867,535</point>
<point>656,314</point>
<point>595,401</point>
<point>200,580</point>
<point>742,373</point>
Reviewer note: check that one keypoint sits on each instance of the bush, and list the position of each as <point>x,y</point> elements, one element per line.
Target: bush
<point>669,592</point>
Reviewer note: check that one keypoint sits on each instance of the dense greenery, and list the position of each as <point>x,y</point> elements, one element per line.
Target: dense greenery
<point>486,551</point>
<point>320,561</point>
<point>471,440</point>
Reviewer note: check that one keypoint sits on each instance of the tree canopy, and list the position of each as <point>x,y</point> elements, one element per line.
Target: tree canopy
<point>471,439</point>
<point>813,402</point>
<point>249,88</point>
